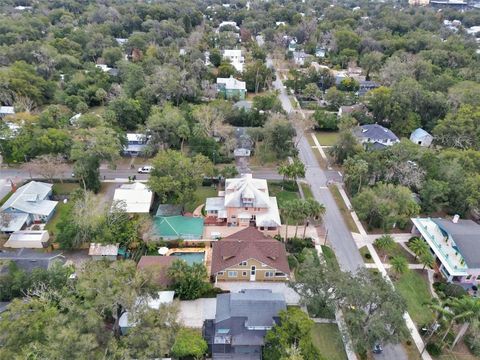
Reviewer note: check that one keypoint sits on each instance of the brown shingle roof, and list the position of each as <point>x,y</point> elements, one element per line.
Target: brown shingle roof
<point>159,266</point>
<point>249,244</point>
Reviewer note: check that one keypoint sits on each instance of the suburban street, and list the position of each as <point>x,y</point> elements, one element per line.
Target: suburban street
<point>338,234</point>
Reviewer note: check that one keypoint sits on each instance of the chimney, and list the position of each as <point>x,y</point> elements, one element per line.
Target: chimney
<point>455,219</point>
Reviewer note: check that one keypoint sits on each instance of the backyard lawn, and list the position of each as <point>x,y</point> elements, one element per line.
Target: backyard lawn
<point>65,188</point>
<point>288,193</point>
<point>414,289</point>
<point>327,138</point>
<point>201,194</point>
<point>328,340</point>
<point>60,209</point>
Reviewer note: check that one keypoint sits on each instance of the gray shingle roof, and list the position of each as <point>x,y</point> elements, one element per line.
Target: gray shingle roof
<point>258,306</point>
<point>466,234</point>
<point>374,132</point>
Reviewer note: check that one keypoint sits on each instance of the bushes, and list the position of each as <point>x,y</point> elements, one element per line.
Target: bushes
<point>296,245</point>
<point>434,349</point>
<point>292,262</point>
<point>449,290</point>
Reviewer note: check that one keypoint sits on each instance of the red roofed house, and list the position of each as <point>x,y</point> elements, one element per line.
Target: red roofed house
<point>159,266</point>
<point>249,255</point>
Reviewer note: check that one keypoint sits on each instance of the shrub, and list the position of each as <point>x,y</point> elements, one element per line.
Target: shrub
<point>368,256</point>
<point>296,245</point>
<point>292,262</point>
<point>454,290</point>
<point>434,349</point>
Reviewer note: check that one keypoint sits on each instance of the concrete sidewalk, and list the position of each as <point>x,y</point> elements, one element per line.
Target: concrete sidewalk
<point>382,268</point>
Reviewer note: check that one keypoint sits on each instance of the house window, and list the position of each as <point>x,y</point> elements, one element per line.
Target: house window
<point>234,216</point>
<point>243,263</point>
<point>232,274</point>
<point>468,277</point>
<point>279,274</point>
<point>269,274</point>
<point>244,273</point>
<point>478,277</point>
<point>220,273</point>
<point>246,208</point>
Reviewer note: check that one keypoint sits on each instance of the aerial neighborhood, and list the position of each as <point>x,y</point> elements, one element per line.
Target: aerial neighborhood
<point>250,180</point>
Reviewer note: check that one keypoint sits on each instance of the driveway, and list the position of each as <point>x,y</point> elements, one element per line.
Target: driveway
<point>194,312</point>
<point>291,297</point>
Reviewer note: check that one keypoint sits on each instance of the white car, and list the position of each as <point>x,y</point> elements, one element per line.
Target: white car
<point>145,170</point>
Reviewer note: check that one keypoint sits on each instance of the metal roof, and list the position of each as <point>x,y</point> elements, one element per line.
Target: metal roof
<point>31,198</point>
<point>466,235</point>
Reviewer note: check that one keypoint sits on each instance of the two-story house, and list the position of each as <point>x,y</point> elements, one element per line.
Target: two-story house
<point>136,144</point>
<point>235,57</point>
<point>241,322</point>
<point>29,204</point>
<point>231,88</point>
<point>249,255</point>
<point>455,246</point>
<point>375,136</point>
<point>245,202</point>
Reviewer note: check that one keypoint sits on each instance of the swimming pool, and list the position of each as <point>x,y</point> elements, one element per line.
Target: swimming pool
<point>191,257</point>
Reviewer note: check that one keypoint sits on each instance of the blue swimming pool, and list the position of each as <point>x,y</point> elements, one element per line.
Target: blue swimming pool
<point>191,257</point>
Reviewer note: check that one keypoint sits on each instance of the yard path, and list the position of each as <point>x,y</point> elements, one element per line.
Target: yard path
<point>319,147</point>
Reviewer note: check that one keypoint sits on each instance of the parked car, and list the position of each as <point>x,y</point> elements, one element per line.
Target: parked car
<point>145,170</point>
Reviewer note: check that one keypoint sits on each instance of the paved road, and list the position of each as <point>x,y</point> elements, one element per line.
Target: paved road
<point>339,235</point>
<point>107,174</point>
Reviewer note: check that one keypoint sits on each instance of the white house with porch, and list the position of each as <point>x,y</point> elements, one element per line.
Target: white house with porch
<point>455,246</point>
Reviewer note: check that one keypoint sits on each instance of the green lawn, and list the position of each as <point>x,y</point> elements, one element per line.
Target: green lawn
<point>307,191</point>
<point>364,251</point>
<point>65,188</point>
<point>328,340</point>
<point>288,193</point>
<point>330,257</point>
<point>201,194</point>
<point>414,289</point>
<point>397,250</point>
<point>321,161</point>
<point>343,209</point>
<point>327,138</point>
<point>60,209</point>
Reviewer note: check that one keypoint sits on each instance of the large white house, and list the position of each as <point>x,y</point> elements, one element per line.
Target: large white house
<point>245,202</point>
<point>455,245</point>
<point>235,57</point>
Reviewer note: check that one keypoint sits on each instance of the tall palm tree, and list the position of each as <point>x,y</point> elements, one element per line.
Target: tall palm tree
<point>299,212</point>
<point>385,243</point>
<point>399,265</point>
<point>466,309</point>
<point>419,247</point>
<point>287,211</point>
<point>313,209</point>
<point>284,170</point>
<point>427,260</point>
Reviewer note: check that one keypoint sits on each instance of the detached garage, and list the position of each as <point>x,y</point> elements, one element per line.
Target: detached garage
<point>30,239</point>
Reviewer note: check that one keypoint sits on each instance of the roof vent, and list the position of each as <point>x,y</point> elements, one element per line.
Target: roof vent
<point>386,130</point>
<point>455,219</point>
<point>364,130</point>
